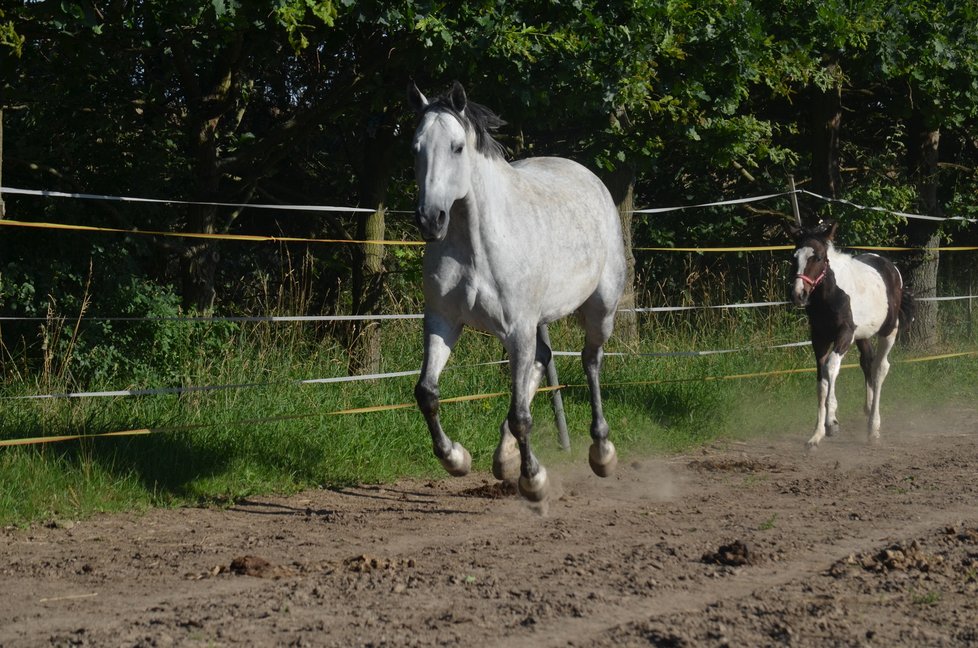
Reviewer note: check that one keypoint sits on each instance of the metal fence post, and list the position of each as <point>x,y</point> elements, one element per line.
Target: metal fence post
<point>555,398</point>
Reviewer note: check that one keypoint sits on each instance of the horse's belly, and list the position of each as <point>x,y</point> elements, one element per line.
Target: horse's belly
<point>869,305</point>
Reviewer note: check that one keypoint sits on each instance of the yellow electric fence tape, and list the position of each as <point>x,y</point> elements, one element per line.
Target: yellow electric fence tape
<point>456,399</point>
<point>223,237</point>
<point>294,239</point>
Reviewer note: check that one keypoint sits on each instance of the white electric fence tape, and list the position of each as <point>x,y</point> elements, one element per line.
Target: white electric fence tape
<point>86,196</point>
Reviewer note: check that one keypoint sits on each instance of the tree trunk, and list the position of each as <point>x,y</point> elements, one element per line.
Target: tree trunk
<point>364,337</point>
<point>922,266</point>
<point>368,288</point>
<point>200,257</point>
<point>621,184</point>
<point>198,265</point>
<point>826,114</point>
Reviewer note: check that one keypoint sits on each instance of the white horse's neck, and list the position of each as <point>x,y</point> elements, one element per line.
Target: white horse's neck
<point>483,211</point>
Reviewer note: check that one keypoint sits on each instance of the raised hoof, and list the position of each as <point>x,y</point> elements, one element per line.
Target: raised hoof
<point>535,488</point>
<point>458,462</point>
<point>602,463</point>
<point>832,429</point>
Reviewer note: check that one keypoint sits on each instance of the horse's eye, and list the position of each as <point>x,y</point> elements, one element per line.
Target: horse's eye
<point>457,149</point>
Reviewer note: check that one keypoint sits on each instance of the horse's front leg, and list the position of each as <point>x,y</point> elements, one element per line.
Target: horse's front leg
<point>822,351</point>
<point>526,373</point>
<point>439,340</point>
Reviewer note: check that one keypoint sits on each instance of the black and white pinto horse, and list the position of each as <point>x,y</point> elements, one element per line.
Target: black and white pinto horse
<point>848,299</point>
<point>509,248</point>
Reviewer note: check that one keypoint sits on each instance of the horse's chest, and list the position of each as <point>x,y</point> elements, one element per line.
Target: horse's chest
<point>472,298</point>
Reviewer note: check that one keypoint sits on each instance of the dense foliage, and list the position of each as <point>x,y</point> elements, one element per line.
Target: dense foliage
<point>301,102</point>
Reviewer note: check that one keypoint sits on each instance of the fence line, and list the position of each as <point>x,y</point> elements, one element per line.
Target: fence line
<point>170,201</point>
<point>322,208</point>
<point>382,317</point>
<point>329,208</point>
<point>198,235</point>
<point>457,399</point>
<point>254,238</point>
<point>160,391</point>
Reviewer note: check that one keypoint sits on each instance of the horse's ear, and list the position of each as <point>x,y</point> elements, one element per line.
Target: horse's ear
<point>832,227</point>
<point>457,96</point>
<point>417,100</point>
<point>826,229</point>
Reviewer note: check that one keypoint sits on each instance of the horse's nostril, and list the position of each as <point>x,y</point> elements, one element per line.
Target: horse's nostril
<point>441,218</point>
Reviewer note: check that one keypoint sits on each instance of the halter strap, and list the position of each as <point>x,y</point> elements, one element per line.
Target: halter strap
<point>817,280</point>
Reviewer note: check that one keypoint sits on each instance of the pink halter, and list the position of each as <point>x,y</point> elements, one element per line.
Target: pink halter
<point>817,280</point>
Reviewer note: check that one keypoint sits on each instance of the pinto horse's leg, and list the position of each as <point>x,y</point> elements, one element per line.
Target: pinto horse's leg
<point>866,364</point>
<point>526,372</point>
<point>823,350</point>
<point>439,340</point>
<point>506,458</point>
<point>881,367</point>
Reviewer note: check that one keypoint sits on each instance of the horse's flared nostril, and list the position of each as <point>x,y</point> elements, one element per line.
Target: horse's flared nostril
<point>441,219</point>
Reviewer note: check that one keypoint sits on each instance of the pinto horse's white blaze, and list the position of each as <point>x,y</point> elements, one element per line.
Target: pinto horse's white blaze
<point>510,248</point>
<point>848,299</point>
<point>802,284</point>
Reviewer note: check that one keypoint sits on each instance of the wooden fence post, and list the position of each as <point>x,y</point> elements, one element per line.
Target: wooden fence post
<point>794,200</point>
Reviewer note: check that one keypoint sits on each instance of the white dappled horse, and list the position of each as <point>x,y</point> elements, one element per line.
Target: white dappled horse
<point>510,247</point>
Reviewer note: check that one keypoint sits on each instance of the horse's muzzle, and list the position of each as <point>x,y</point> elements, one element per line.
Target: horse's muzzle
<point>800,294</point>
<point>432,225</point>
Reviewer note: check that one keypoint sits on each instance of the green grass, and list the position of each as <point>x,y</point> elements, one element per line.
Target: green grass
<point>216,446</point>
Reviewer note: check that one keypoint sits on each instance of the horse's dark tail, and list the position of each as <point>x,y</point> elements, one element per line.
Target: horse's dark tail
<point>908,306</point>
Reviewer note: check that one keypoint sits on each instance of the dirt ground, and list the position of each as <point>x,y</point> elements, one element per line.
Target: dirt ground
<point>741,544</point>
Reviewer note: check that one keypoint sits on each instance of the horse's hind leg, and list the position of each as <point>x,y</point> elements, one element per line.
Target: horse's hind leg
<point>506,458</point>
<point>526,371</point>
<point>866,364</point>
<point>881,367</point>
<point>439,339</point>
<point>597,329</point>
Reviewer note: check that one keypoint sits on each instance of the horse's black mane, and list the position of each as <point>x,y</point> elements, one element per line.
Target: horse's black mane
<point>477,117</point>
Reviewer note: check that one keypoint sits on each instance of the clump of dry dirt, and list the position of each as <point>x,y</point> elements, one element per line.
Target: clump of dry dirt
<point>735,554</point>
<point>752,544</point>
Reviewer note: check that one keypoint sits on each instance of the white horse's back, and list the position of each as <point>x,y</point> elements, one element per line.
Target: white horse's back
<point>571,218</point>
